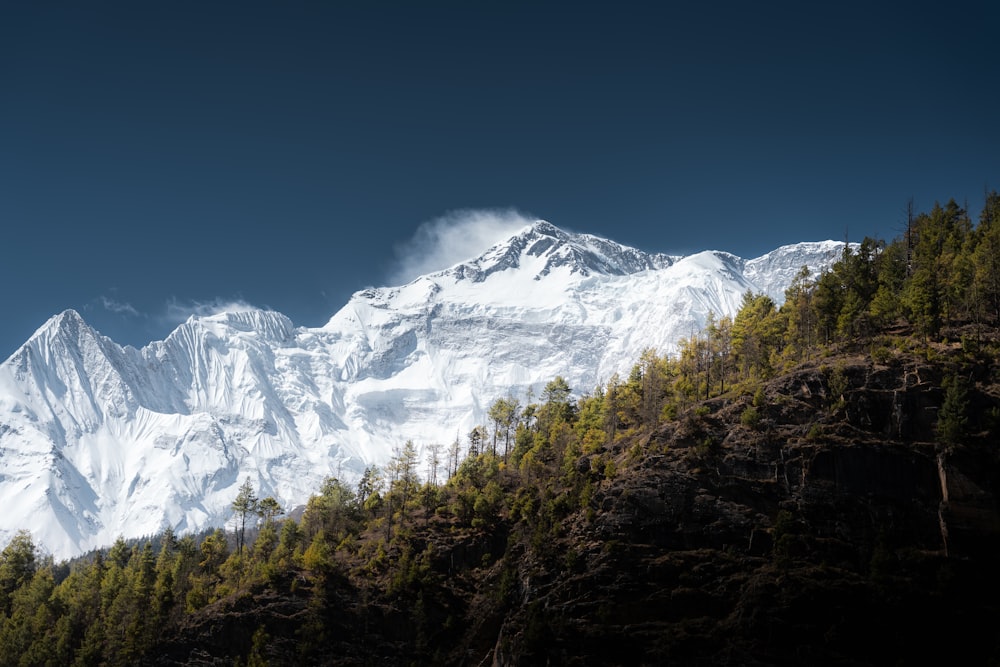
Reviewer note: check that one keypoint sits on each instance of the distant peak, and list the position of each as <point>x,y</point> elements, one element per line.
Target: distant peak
<point>580,254</point>
<point>64,331</point>
<point>269,323</point>
<point>68,320</point>
<point>547,228</point>
<point>68,316</point>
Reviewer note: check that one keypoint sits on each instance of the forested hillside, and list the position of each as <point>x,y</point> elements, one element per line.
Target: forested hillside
<point>810,484</point>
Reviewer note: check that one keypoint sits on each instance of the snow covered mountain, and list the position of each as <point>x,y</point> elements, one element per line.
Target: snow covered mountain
<point>99,440</point>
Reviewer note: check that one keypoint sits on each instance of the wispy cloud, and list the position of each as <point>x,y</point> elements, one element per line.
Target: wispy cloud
<point>177,312</point>
<point>118,307</point>
<point>452,238</point>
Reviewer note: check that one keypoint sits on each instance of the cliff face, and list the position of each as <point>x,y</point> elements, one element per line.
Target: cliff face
<point>827,527</point>
<point>831,531</point>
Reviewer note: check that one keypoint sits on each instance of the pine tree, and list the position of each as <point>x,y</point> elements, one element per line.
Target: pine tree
<point>953,420</point>
<point>433,462</point>
<point>986,262</point>
<point>18,562</point>
<point>477,436</point>
<point>244,505</point>
<point>269,509</point>
<point>504,413</point>
<point>370,490</point>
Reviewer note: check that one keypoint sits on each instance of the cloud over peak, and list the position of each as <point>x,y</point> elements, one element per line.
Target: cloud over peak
<point>178,312</point>
<point>452,238</point>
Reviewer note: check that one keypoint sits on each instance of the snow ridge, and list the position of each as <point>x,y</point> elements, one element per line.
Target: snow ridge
<point>99,440</point>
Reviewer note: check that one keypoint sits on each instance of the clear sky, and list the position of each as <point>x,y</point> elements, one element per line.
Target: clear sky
<point>163,158</point>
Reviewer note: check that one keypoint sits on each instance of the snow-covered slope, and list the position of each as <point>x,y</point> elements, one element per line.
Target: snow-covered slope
<point>97,440</point>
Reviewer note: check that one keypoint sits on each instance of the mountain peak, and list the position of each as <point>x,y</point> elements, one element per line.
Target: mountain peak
<point>67,318</point>
<point>68,325</point>
<point>546,228</point>
<point>543,247</point>
<point>269,323</point>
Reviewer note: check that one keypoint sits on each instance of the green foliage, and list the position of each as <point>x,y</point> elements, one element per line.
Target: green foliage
<point>838,383</point>
<point>318,557</point>
<point>256,657</point>
<point>610,468</point>
<point>891,267</point>
<point>477,436</point>
<point>334,511</point>
<point>881,354</point>
<point>244,505</point>
<point>707,447</point>
<point>799,314</point>
<point>590,427</point>
<point>984,291</point>
<point>953,419</point>
<point>787,539</point>
<point>214,551</point>
<point>758,332</point>
<point>486,505</point>
<point>504,413</point>
<point>268,509</point>
<point>557,408</point>
<point>31,616</point>
<point>370,487</point>
<point>18,563</point>
<point>750,417</point>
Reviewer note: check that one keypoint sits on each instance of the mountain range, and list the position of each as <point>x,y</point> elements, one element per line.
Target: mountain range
<point>98,440</point>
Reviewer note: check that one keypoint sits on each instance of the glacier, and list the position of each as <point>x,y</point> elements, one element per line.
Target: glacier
<point>99,441</point>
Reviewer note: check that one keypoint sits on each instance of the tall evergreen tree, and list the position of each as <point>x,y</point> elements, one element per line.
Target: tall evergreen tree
<point>18,563</point>
<point>244,505</point>
<point>953,418</point>
<point>986,263</point>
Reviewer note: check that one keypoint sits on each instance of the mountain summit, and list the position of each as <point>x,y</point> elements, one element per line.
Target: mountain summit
<point>582,254</point>
<point>99,440</point>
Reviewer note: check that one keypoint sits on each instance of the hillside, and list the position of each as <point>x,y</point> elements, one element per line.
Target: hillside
<point>829,531</point>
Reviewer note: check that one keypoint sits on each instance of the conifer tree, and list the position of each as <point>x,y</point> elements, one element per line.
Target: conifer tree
<point>477,436</point>
<point>986,262</point>
<point>504,413</point>
<point>18,562</point>
<point>953,419</point>
<point>268,509</point>
<point>244,505</point>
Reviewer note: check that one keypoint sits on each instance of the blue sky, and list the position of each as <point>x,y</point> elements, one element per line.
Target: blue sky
<point>164,158</point>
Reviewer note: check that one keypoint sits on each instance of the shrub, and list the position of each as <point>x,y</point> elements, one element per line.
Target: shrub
<point>750,417</point>
<point>838,382</point>
<point>706,447</point>
<point>881,355</point>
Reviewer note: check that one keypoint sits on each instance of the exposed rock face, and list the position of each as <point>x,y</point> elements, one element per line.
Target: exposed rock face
<point>835,533</point>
